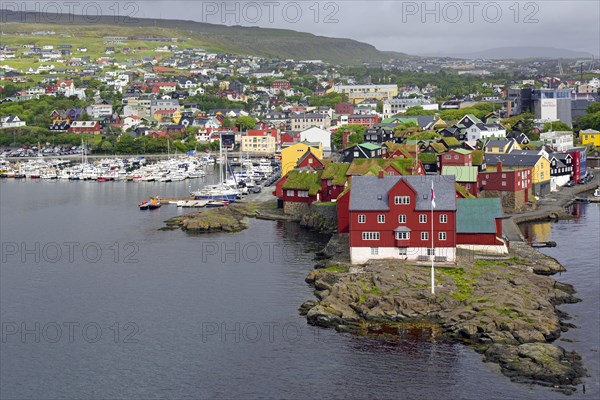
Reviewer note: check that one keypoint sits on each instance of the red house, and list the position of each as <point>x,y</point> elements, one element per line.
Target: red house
<point>455,158</point>
<point>289,137</point>
<point>333,180</point>
<point>479,225</point>
<point>368,120</point>
<point>503,179</point>
<point>84,127</point>
<point>309,161</point>
<point>281,84</point>
<point>390,217</point>
<point>344,108</point>
<point>299,190</point>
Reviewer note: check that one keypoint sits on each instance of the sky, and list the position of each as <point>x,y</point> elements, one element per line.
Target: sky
<point>413,27</point>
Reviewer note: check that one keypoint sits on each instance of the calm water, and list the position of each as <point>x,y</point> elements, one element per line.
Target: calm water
<point>126,311</point>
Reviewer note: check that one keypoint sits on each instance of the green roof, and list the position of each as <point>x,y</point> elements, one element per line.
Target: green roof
<point>372,166</point>
<point>462,151</point>
<point>463,191</point>
<point>428,157</point>
<point>399,120</point>
<point>336,172</point>
<point>477,215</point>
<point>304,180</point>
<point>478,157</point>
<point>451,141</point>
<point>370,146</point>
<point>462,173</point>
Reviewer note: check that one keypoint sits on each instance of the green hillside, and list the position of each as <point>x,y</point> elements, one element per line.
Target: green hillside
<point>272,43</point>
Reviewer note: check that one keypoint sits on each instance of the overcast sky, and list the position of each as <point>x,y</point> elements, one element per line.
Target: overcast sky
<point>414,27</point>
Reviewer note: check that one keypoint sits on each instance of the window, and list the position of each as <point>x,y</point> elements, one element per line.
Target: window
<point>423,218</point>
<point>503,183</point>
<point>362,219</point>
<point>402,219</point>
<point>424,235</point>
<point>401,199</point>
<point>448,157</point>
<point>370,235</point>
<point>374,251</point>
<point>442,236</point>
<point>289,192</point>
<point>402,235</point>
<point>402,251</point>
<point>430,252</point>
<point>443,218</point>
<point>380,218</point>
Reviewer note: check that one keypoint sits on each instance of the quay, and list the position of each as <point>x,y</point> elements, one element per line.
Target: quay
<point>551,206</point>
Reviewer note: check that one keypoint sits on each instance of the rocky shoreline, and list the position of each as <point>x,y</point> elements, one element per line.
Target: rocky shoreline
<point>504,308</point>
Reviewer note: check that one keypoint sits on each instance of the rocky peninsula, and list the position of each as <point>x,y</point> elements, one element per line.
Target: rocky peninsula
<point>505,308</point>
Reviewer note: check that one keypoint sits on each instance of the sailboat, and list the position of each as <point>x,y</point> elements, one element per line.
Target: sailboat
<point>220,191</point>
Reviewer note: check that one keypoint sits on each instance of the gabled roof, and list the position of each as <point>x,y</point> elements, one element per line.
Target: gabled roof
<point>336,172</point>
<point>304,180</point>
<point>370,193</point>
<point>511,160</point>
<point>462,151</point>
<point>370,146</point>
<point>477,215</point>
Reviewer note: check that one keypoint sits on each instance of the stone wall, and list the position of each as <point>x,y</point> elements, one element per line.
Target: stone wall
<point>511,201</point>
<point>295,209</point>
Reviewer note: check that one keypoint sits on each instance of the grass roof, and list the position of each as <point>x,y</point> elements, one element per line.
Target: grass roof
<point>464,192</point>
<point>478,157</point>
<point>336,172</point>
<point>450,141</point>
<point>372,166</point>
<point>428,158</point>
<point>304,180</point>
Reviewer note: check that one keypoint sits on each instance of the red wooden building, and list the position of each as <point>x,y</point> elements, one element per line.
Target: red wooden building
<point>455,158</point>
<point>391,217</point>
<point>368,120</point>
<point>344,108</point>
<point>504,179</point>
<point>84,127</point>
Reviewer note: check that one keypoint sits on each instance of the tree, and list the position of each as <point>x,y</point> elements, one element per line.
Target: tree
<point>555,126</point>
<point>590,121</point>
<point>106,146</point>
<point>245,122</point>
<point>357,136</point>
<point>593,108</point>
<point>418,110</point>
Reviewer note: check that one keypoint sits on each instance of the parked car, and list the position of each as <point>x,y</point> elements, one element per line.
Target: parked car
<point>256,189</point>
<point>571,183</point>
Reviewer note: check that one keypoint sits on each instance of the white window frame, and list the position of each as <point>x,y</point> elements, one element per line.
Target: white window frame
<point>402,218</point>
<point>402,251</point>
<point>381,219</point>
<point>402,235</point>
<point>362,219</point>
<point>443,218</point>
<point>422,218</point>
<point>374,251</point>
<point>424,235</point>
<point>370,236</point>
<point>442,236</point>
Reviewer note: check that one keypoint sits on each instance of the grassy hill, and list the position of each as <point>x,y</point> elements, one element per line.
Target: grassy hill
<point>281,43</point>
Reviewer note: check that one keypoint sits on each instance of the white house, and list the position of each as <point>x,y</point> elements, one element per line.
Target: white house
<point>99,109</point>
<point>11,121</point>
<point>483,132</point>
<point>317,135</point>
<point>559,140</point>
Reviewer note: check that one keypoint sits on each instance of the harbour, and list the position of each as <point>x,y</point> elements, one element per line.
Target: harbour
<point>170,294</point>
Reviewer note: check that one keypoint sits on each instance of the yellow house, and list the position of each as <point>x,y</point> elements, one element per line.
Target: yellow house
<point>504,146</point>
<point>290,154</point>
<point>168,116</point>
<point>590,136</point>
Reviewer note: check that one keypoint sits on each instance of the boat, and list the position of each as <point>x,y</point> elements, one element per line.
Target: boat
<point>220,191</point>
<point>144,205</point>
<point>154,203</point>
<point>217,203</point>
<point>597,193</point>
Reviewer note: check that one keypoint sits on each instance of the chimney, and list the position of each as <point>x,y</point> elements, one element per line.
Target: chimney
<point>380,174</point>
<point>345,138</point>
<point>499,166</point>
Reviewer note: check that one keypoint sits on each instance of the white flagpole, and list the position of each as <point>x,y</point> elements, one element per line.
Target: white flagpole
<point>432,248</point>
